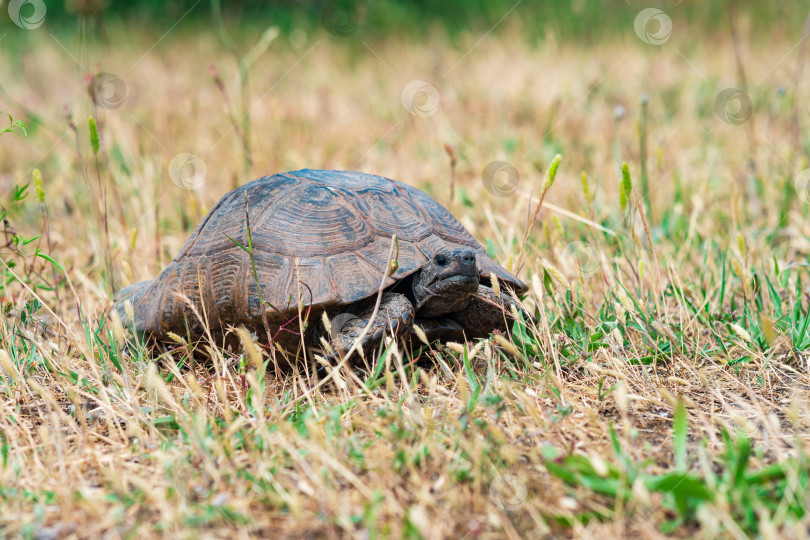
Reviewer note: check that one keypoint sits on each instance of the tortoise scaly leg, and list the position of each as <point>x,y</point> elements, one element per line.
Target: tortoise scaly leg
<point>396,313</point>
<point>485,313</point>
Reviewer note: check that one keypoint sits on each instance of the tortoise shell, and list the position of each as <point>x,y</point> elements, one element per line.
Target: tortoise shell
<point>319,239</point>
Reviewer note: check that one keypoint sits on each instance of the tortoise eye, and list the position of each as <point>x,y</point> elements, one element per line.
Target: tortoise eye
<point>441,260</point>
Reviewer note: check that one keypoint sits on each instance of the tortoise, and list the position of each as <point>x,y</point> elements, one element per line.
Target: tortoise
<point>318,241</point>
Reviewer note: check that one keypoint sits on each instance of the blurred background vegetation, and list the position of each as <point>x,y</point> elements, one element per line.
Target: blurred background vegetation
<point>583,20</point>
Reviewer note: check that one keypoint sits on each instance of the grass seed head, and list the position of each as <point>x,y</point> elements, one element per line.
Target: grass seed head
<point>118,328</point>
<point>552,172</point>
<point>625,300</point>
<point>94,140</point>
<point>586,187</point>
<point>496,286</point>
<point>326,323</point>
<point>251,349</point>
<point>626,187</point>
<point>622,399</point>
<point>556,275</point>
<point>507,345</point>
<point>176,338</point>
<point>742,332</point>
<point>617,337</point>
<point>420,334</point>
<point>129,311</point>
<point>38,186</point>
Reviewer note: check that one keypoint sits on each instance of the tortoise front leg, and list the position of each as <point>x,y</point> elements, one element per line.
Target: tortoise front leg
<point>485,313</point>
<point>396,313</point>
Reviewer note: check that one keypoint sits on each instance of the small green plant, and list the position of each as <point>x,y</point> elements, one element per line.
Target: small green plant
<point>95,146</point>
<point>12,125</point>
<point>18,251</point>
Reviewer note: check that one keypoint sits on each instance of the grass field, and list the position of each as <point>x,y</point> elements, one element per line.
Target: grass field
<point>662,392</point>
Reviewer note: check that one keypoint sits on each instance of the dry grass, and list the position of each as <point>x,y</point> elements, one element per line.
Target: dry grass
<point>433,448</point>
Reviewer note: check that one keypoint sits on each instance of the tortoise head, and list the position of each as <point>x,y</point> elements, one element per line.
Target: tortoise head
<point>446,283</point>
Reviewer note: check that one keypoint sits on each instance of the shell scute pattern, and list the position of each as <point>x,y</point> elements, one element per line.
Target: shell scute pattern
<point>353,277</point>
<point>311,220</point>
<point>393,213</point>
<point>274,272</point>
<point>225,279</point>
<point>226,220</point>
